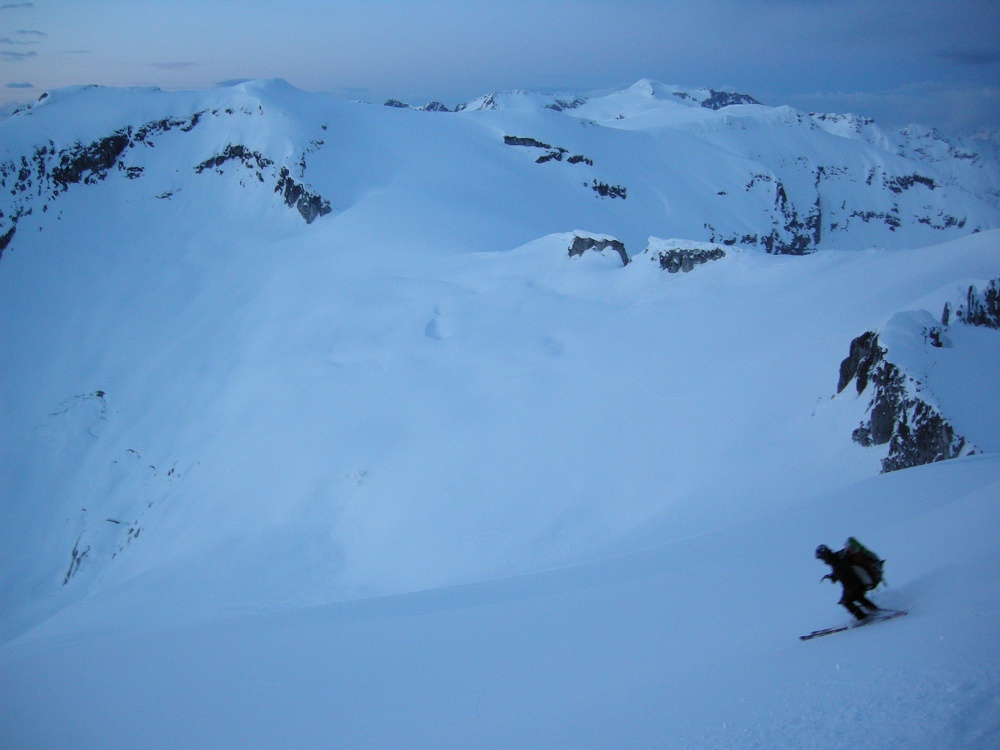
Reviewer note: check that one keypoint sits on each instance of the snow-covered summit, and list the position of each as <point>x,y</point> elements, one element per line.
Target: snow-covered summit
<point>639,97</point>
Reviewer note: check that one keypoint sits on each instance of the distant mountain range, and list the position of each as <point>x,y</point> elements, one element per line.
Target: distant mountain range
<point>701,164</point>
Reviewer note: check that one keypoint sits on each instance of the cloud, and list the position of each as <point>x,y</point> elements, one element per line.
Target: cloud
<point>177,65</point>
<point>11,6</point>
<point>8,56</point>
<point>971,56</point>
<point>8,40</point>
<point>20,86</point>
<point>354,92</point>
<point>952,108</point>
<point>31,32</point>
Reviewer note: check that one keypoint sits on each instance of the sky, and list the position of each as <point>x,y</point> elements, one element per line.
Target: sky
<point>900,61</point>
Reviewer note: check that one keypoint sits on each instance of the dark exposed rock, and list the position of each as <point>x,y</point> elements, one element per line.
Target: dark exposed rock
<point>434,107</point>
<point>5,239</point>
<point>905,182</point>
<point>720,99</point>
<point>582,244</point>
<point>186,125</point>
<point>397,104</point>
<point>604,190</point>
<point>238,153</point>
<point>559,105</point>
<point>77,556</point>
<point>891,217</point>
<point>514,140</point>
<point>88,164</point>
<point>864,355</point>
<point>946,221</point>
<point>308,204</point>
<point>685,259</point>
<point>981,308</point>
<point>914,430</point>
<point>556,154</point>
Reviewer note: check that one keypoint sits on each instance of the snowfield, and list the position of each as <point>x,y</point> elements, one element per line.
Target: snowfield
<point>318,434</point>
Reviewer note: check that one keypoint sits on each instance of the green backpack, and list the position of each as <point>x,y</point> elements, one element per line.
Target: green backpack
<point>866,563</point>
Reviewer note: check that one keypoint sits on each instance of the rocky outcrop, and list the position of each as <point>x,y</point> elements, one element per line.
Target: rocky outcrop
<point>598,243</point>
<point>980,308</point>
<point>88,164</point>
<point>604,190</point>
<point>249,159</point>
<point>898,415</point>
<point>865,353</point>
<point>673,256</point>
<point>516,140</point>
<point>901,413</point>
<point>554,153</point>
<point>560,105</point>
<point>720,99</point>
<point>309,205</point>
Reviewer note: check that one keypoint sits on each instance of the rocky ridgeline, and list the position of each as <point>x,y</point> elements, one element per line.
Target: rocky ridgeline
<point>33,181</point>
<point>900,414</point>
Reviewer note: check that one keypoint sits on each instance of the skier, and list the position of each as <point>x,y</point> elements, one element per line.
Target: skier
<point>851,577</point>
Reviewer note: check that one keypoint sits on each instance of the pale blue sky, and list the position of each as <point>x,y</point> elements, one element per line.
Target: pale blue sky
<point>901,61</point>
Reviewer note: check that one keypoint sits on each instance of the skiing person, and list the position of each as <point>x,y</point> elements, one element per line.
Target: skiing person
<point>855,579</point>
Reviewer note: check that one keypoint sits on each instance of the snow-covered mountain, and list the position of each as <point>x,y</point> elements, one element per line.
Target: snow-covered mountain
<point>273,363</point>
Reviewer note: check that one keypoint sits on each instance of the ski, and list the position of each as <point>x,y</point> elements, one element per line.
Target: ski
<point>882,614</point>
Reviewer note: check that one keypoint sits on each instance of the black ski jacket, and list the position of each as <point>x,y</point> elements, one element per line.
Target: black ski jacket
<point>843,571</point>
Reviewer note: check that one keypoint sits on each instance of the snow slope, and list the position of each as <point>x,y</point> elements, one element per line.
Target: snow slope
<point>312,417</point>
<point>687,645</point>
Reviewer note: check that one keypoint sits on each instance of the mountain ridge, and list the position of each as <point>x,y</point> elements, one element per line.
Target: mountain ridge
<point>790,204</point>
